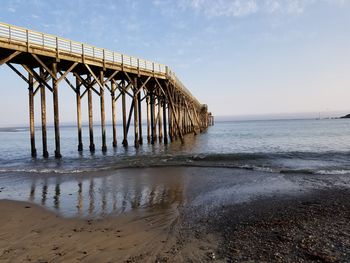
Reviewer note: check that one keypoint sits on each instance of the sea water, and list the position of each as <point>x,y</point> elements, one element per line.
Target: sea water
<point>263,156</point>
<point>310,146</point>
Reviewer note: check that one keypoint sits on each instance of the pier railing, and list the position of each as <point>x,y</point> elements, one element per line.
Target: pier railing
<point>48,60</point>
<point>58,44</point>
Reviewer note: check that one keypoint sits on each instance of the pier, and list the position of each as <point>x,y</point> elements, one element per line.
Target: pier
<point>44,61</point>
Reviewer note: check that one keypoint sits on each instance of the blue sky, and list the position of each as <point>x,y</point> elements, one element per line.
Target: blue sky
<point>241,57</point>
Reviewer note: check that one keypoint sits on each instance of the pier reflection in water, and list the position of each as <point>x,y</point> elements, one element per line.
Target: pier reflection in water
<point>110,193</point>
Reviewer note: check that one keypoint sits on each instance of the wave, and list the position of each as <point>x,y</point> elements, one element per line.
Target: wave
<point>326,163</point>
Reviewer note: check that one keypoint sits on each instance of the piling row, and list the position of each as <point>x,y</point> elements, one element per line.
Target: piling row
<point>169,115</point>
<point>44,62</point>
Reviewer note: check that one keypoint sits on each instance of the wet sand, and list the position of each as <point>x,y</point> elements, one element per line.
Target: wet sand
<point>223,215</point>
<point>30,233</point>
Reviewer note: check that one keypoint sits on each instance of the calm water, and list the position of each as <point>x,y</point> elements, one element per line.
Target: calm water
<point>311,146</point>
<point>269,157</point>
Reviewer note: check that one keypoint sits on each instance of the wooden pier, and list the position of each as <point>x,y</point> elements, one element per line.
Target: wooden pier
<point>44,61</point>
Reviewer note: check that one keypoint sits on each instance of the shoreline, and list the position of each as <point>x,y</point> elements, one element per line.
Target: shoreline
<point>176,215</point>
<point>310,228</point>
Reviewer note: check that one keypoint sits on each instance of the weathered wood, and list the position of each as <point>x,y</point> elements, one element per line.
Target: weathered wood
<point>67,72</point>
<point>68,82</point>
<point>190,118</point>
<point>160,120</point>
<point>152,116</point>
<point>31,115</point>
<point>18,73</point>
<point>52,73</point>
<point>93,75</point>
<point>56,111</point>
<point>43,116</point>
<point>172,111</point>
<point>170,123</point>
<point>79,122</point>
<point>125,133</point>
<point>91,124</point>
<point>140,117</point>
<point>148,118</point>
<point>152,102</point>
<point>155,120</point>
<point>103,115</point>
<point>114,118</point>
<point>110,77</point>
<point>136,120</point>
<point>143,84</point>
<point>37,77</point>
<point>198,121</point>
<point>165,122</point>
<point>176,119</point>
<point>129,117</point>
<point>8,59</point>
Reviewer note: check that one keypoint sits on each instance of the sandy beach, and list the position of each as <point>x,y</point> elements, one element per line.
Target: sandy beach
<point>242,220</point>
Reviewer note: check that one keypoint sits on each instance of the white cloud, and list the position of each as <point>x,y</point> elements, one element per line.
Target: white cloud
<point>241,8</point>
<point>217,8</point>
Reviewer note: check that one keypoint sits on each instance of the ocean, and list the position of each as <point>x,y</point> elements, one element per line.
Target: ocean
<point>259,150</point>
<point>309,146</point>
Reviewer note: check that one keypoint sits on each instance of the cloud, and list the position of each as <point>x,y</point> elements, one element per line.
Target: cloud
<point>240,8</point>
<point>218,8</point>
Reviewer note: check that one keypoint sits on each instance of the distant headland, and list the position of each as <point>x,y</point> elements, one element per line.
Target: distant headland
<point>345,117</point>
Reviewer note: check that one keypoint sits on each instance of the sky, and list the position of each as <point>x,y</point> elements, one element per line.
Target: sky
<point>241,57</point>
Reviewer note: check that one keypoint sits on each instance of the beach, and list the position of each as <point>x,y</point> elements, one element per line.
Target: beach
<point>175,131</point>
<point>239,216</point>
<point>250,191</point>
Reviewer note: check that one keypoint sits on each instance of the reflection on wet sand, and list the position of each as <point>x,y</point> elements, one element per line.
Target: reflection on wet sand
<point>99,196</point>
<point>44,192</point>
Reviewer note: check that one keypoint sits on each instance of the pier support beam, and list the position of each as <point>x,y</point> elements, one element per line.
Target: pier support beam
<point>43,115</point>
<point>78,99</point>
<point>31,115</point>
<point>103,115</point>
<point>91,124</point>
<point>140,117</point>
<point>56,111</point>
<point>136,120</point>
<point>125,132</point>
<point>152,117</point>
<point>114,121</point>
<point>155,120</point>
<point>148,119</point>
<point>165,122</point>
<point>160,120</point>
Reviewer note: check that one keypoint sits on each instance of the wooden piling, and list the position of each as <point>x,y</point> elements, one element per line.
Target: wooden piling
<point>56,111</point>
<point>170,120</point>
<point>148,119</point>
<point>172,110</point>
<point>103,115</point>
<point>155,118</point>
<point>31,115</point>
<point>136,120</point>
<point>140,117</point>
<point>43,115</point>
<point>114,121</point>
<point>91,124</point>
<point>165,122</point>
<point>79,123</point>
<point>125,133</point>
<point>152,116</point>
<point>160,120</point>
